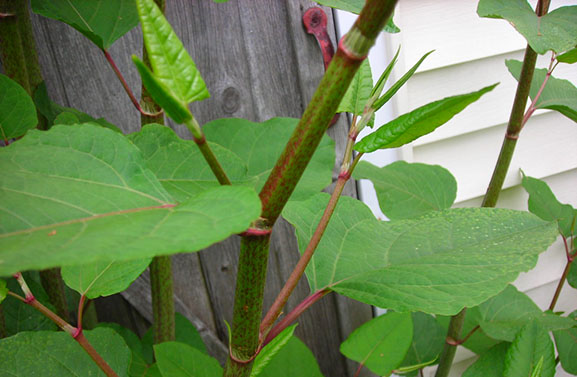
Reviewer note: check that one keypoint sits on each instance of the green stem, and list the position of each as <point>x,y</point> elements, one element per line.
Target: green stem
<point>53,285</point>
<point>287,171</point>
<point>161,279</point>
<point>570,258</point>
<point>516,122</point>
<point>207,152</point>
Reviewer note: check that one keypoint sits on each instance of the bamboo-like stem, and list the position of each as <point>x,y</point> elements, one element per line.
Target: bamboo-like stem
<point>161,279</point>
<point>516,122</point>
<point>54,286</point>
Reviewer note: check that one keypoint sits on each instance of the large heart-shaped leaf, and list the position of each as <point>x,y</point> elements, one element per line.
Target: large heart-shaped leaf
<point>170,62</point>
<point>409,190</point>
<point>382,343</point>
<point>559,95</point>
<point>103,278</point>
<point>438,263</point>
<point>555,31</point>
<point>179,165</point>
<point>17,111</point>
<point>543,203</point>
<point>490,364</point>
<point>260,145</point>
<point>91,198</point>
<point>501,317</point>
<point>428,341</point>
<point>50,353</point>
<point>101,21</point>
<point>566,342</point>
<point>419,122</point>
<point>531,345</point>
<point>359,91</point>
<point>181,360</point>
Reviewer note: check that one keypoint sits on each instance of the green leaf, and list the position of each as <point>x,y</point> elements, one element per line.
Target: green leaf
<point>502,317</point>
<point>355,6</point>
<point>572,275</point>
<point>179,165</point>
<point>419,122</point>
<point>543,203</point>
<point>271,350</point>
<point>103,278</point>
<point>284,362</point>
<point>538,370</point>
<point>101,21</point>
<point>91,198</point>
<point>428,341</point>
<point>380,85</point>
<point>409,190</point>
<point>50,353</point>
<point>178,359</point>
<point>17,111</point>
<point>138,366</point>
<point>170,62</point>
<point>359,91</point>
<point>530,345</point>
<point>566,342</point>
<point>19,316</point>
<point>3,290</point>
<point>54,112</point>
<point>260,145</point>
<point>555,31</point>
<point>399,84</point>
<point>438,263</point>
<point>569,57</point>
<point>490,363</point>
<point>559,95</point>
<point>382,343</point>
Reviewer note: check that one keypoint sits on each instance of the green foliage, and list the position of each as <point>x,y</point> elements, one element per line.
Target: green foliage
<point>569,57</point>
<point>3,290</point>
<point>101,21</point>
<point>419,122</point>
<point>409,190</point>
<point>138,366</point>
<point>355,6</point>
<point>437,263</point>
<point>382,343</point>
<point>428,341</point>
<point>271,350</point>
<point>572,275</point>
<point>61,355</point>
<point>17,112</point>
<point>284,361</point>
<point>172,65</point>
<point>559,95</point>
<point>92,182</point>
<point>103,278</point>
<point>490,363</point>
<point>179,165</point>
<point>531,345</point>
<point>566,342</point>
<point>555,31</point>
<point>359,91</point>
<point>543,203</point>
<point>181,360</point>
<point>260,144</point>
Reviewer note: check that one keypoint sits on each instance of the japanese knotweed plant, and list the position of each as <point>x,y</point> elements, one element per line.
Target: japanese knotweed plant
<point>99,207</point>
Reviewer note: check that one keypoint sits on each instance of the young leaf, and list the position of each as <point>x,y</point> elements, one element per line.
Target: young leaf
<point>171,63</point>
<point>428,341</point>
<point>530,345</point>
<point>179,165</point>
<point>358,92</point>
<point>502,316</point>
<point>569,57</point>
<point>409,190</point>
<point>101,21</point>
<point>17,111</point>
<point>3,290</point>
<point>418,122</point>
<point>181,360</point>
<point>566,342</point>
<point>382,343</point>
<point>399,84</point>
<point>559,95</point>
<point>490,363</point>
<point>103,278</point>
<point>543,203</point>
<point>380,85</point>
<point>555,31</point>
<point>50,353</point>
<point>260,145</point>
<point>90,182</point>
<point>271,350</point>
<point>284,361</point>
<point>438,263</point>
